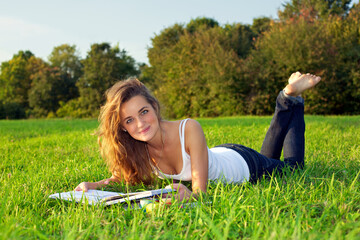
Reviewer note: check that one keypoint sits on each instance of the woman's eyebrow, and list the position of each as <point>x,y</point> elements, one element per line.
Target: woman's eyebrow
<point>141,109</point>
<point>126,118</point>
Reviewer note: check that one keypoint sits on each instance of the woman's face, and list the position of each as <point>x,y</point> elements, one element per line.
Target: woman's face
<point>139,118</point>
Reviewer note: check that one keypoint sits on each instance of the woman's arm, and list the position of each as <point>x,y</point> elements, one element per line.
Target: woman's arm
<point>85,186</point>
<point>195,146</point>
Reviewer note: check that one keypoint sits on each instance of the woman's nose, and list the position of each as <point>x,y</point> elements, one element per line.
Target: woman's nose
<point>140,122</point>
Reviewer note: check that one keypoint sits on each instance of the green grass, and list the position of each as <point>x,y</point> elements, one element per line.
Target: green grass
<point>41,157</point>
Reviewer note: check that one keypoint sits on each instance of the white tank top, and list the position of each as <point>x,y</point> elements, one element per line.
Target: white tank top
<point>224,164</point>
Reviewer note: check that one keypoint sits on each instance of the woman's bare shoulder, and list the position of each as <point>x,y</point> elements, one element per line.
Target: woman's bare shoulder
<point>192,123</point>
<point>191,126</point>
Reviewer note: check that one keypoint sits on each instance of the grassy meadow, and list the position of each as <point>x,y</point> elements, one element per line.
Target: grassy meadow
<point>41,157</point>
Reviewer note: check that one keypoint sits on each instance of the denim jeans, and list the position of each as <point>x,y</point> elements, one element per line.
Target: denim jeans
<point>286,132</point>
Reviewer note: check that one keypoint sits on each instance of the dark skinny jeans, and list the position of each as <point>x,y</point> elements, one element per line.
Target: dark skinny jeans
<point>286,131</point>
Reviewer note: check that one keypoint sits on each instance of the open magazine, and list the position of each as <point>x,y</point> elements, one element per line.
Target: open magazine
<point>94,197</point>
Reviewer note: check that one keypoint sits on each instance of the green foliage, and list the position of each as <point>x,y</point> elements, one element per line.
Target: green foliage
<point>162,44</point>
<point>103,66</point>
<point>75,109</point>
<point>197,73</point>
<point>67,60</point>
<point>193,69</point>
<point>51,84</point>
<point>15,79</point>
<point>38,88</point>
<point>12,110</point>
<point>260,25</point>
<point>2,111</point>
<point>196,25</point>
<point>327,48</point>
<point>239,38</point>
<point>42,97</point>
<point>315,8</point>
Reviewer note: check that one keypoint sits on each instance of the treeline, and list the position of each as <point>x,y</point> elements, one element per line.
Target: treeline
<point>64,86</point>
<point>203,68</point>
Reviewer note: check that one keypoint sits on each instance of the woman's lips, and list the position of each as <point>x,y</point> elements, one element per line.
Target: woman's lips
<point>145,130</point>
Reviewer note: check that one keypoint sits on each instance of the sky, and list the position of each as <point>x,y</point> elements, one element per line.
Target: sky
<point>41,25</point>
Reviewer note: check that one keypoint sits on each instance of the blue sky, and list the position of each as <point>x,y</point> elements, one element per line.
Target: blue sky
<point>40,25</point>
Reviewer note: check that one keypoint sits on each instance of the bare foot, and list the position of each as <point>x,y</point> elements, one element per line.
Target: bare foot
<point>294,76</point>
<point>298,83</point>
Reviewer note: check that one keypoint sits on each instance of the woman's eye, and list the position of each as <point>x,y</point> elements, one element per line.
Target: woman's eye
<point>144,112</point>
<point>129,121</point>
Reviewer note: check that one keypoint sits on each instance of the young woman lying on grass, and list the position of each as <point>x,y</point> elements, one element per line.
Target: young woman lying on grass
<point>139,145</point>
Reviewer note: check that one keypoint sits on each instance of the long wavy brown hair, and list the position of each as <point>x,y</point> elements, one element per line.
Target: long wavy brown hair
<point>126,157</point>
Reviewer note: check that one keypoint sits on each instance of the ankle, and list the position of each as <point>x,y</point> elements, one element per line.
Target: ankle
<point>290,91</point>
<point>297,99</point>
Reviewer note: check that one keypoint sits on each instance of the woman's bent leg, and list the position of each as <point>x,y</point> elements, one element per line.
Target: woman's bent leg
<point>259,165</point>
<point>286,131</point>
<point>294,143</point>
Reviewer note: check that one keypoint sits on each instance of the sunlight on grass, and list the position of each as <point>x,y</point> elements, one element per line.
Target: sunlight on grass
<point>41,157</point>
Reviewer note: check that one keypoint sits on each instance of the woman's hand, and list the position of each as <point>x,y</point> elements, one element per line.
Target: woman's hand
<point>85,186</point>
<point>183,193</point>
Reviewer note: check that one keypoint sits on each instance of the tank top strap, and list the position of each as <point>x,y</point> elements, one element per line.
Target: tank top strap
<point>182,136</point>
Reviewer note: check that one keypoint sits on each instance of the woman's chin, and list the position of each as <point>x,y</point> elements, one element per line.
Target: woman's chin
<point>144,137</point>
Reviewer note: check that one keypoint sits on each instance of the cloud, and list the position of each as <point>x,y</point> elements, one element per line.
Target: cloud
<point>18,27</point>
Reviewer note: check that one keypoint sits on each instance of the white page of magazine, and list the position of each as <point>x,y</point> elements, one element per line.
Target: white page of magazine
<point>92,196</point>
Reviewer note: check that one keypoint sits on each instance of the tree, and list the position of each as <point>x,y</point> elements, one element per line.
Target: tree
<point>195,25</point>
<point>348,43</point>
<point>314,9</point>
<point>240,38</point>
<point>328,48</point>
<point>67,60</point>
<point>15,79</point>
<point>103,66</point>
<point>261,25</point>
<point>162,45</point>
<point>46,89</point>
<point>197,74</point>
